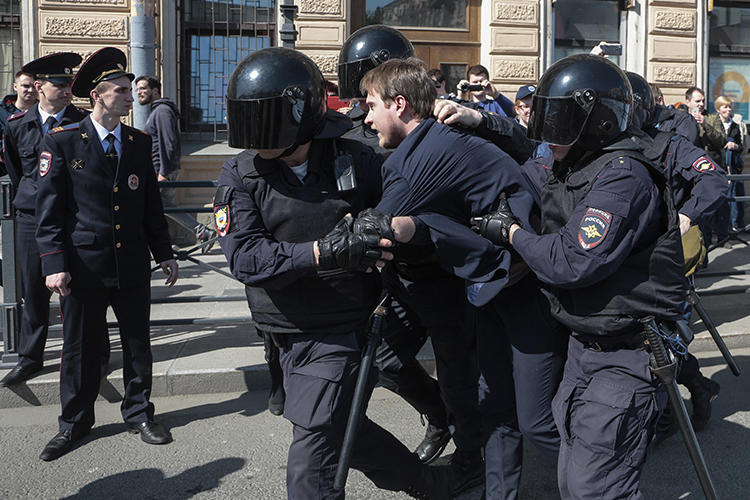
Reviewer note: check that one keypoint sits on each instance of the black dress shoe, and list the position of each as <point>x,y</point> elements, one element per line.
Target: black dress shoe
<point>151,432</point>
<point>435,440</point>
<point>20,374</point>
<point>60,444</point>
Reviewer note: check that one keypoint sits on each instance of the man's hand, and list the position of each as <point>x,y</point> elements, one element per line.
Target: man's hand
<point>695,113</point>
<point>172,270</point>
<point>371,222</point>
<point>732,146</point>
<point>58,283</point>
<point>489,89</point>
<point>161,178</point>
<point>685,224</point>
<point>342,249</point>
<point>452,113</point>
<point>496,226</point>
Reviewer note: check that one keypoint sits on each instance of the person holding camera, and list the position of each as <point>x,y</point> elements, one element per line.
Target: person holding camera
<point>477,88</point>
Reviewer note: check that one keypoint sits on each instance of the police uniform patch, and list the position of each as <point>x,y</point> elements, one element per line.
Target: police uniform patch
<point>133,182</point>
<point>703,164</point>
<point>594,227</point>
<point>45,162</point>
<point>221,219</point>
<point>77,164</point>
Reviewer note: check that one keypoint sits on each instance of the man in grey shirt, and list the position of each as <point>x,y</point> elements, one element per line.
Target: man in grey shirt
<point>164,127</point>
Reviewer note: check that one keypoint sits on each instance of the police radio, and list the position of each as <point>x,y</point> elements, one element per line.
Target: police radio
<point>343,169</point>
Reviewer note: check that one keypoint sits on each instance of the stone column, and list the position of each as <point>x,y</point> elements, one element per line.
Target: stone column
<point>142,51</point>
<point>321,28</point>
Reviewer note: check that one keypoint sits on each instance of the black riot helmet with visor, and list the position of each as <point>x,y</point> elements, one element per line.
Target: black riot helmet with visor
<point>581,99</point>
<point>644,104</point>
<point>275,100</point>
<point>365,49</point>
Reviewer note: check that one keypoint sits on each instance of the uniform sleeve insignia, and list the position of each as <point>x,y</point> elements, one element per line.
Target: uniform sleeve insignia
<point>703,164</point>
<point>45,162</point>
<point>77,164</point>
<point>57,129</point>
<point>133,182</point>
<point>221,218</point>
<point>594,227</point>
<point>130,138</point>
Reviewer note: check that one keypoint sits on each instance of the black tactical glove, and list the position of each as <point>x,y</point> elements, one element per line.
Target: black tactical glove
<point>342,249</point>
<point>373,222</point>
<point>496,226</point>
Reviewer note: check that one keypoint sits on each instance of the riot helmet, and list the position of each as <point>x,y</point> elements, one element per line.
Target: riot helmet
<point>275,100</point>
<point>581,99</point>
<point>365,49</point>
<point>644,104</point>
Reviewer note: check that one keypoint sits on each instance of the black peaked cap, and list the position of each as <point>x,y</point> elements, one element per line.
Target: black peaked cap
<point>103,65</point>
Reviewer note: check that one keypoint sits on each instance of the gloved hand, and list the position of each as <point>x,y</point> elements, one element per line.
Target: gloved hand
<point>496,225</point>
<point>373,222</point>
<point>342,249</point>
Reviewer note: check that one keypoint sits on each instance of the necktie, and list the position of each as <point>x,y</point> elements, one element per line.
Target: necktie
<point>111,152</point>
<point>50,123</point>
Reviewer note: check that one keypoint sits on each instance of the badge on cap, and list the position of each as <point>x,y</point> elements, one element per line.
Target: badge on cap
<point>133,182</point>
<point>594,227</point>
<point>221,219</point>
<point>703,164</point>
<point>45,162</point>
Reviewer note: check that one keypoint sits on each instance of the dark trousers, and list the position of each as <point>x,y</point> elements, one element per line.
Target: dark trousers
<point>737,209</point>
<point>320,373</point>
<point>35,318</point>
<point>606,410</point>
<point>521,351</point>
<point>84,327</point>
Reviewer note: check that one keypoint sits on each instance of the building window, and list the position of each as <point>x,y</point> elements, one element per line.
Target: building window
<point>579,25</point>
<point>440,14</point>
<point>729,56</point>
<point>215,37</point>
<point>10,43</point>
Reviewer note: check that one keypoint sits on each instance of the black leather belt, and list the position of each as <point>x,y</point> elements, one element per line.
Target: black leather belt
<point>606,344</point>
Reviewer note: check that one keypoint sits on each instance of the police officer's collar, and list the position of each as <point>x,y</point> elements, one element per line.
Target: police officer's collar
<point>43,115</point>
<point>626,142</point>
<point>335,125</point>
<point>103,132</point>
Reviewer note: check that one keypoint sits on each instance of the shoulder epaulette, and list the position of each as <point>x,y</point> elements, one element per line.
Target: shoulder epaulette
<point>70,126</point>
<point>17,115</point>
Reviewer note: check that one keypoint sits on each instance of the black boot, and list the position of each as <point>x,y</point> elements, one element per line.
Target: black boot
<point>468,470</point>
<point>277,396</point>
<point>702,392</point>
<point>433,483</point>
<point>435,440</point>
<point>666,426</point>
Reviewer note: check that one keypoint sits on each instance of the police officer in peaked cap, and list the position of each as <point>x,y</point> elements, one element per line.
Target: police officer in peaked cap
<point>100,222</point>
<point>53,75</point>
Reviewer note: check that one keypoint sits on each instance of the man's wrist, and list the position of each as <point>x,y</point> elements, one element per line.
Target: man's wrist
<point>512,231</point>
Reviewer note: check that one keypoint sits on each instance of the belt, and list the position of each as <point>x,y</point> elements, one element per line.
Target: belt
<point>606,344</point>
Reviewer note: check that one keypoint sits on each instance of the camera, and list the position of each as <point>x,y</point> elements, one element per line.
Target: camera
<point>611,49</point>
<point>467,87</point>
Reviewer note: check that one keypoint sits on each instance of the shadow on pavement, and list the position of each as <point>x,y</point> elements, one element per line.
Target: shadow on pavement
<point>151,483</point>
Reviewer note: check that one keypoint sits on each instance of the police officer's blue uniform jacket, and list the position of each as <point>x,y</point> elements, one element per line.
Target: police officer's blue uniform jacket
<point>22,148</point>
<point>608,247</point>
<point>678,122</point>
<point>268,220</point>
<point>444,176</point>
<point>95,222</point>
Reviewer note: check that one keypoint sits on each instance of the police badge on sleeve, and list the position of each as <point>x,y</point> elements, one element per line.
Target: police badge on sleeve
<point>594,227</point>
<point>221,219</point>
<point>45,162</point>
<point>703,164</point>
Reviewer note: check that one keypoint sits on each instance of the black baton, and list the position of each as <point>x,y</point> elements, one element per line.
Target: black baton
<point>664,366</point>
<point>360,390</point>
<point>695,301</point>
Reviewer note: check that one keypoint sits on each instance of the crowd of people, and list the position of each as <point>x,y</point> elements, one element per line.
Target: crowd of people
<point>529,240</point>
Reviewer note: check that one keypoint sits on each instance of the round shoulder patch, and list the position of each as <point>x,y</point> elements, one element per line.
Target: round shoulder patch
<point>593,228</point>
<point>703,164</point>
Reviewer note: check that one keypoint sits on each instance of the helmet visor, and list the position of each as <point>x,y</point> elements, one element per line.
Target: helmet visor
<point>271,123</point>
<point>556,120</point>
<point>350,74</point>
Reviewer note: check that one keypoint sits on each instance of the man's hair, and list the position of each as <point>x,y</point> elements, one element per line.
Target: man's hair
<point>404,77</point>
<point>22,73</point>
<point>721,101</point>
<point>478,70</point>
<point>656,91</point>
<point>436,75</point>
<point>151,81</point>
<point>689,92</point>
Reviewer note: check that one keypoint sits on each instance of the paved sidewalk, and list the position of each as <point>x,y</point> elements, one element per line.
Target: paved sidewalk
<point>222,352</point>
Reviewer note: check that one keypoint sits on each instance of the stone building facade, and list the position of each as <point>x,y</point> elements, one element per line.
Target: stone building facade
<point>674,43</point>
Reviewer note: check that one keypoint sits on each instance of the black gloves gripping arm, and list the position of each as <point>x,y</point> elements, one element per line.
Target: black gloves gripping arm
<point>373,222</point>
<point>495,226</point>
<point>343,249</point>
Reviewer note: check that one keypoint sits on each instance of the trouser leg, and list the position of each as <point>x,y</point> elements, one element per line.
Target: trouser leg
<point>84,314</point>
<point>35,317</point>
<point>132,308</point>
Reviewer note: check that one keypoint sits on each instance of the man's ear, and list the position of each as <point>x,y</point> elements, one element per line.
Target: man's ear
<point>401,105</point>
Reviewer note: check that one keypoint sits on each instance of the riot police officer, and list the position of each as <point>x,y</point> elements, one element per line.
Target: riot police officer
<point>100,214</point>
<point>279,216</point>
<point>610,254</point>
<point>53,75</point>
